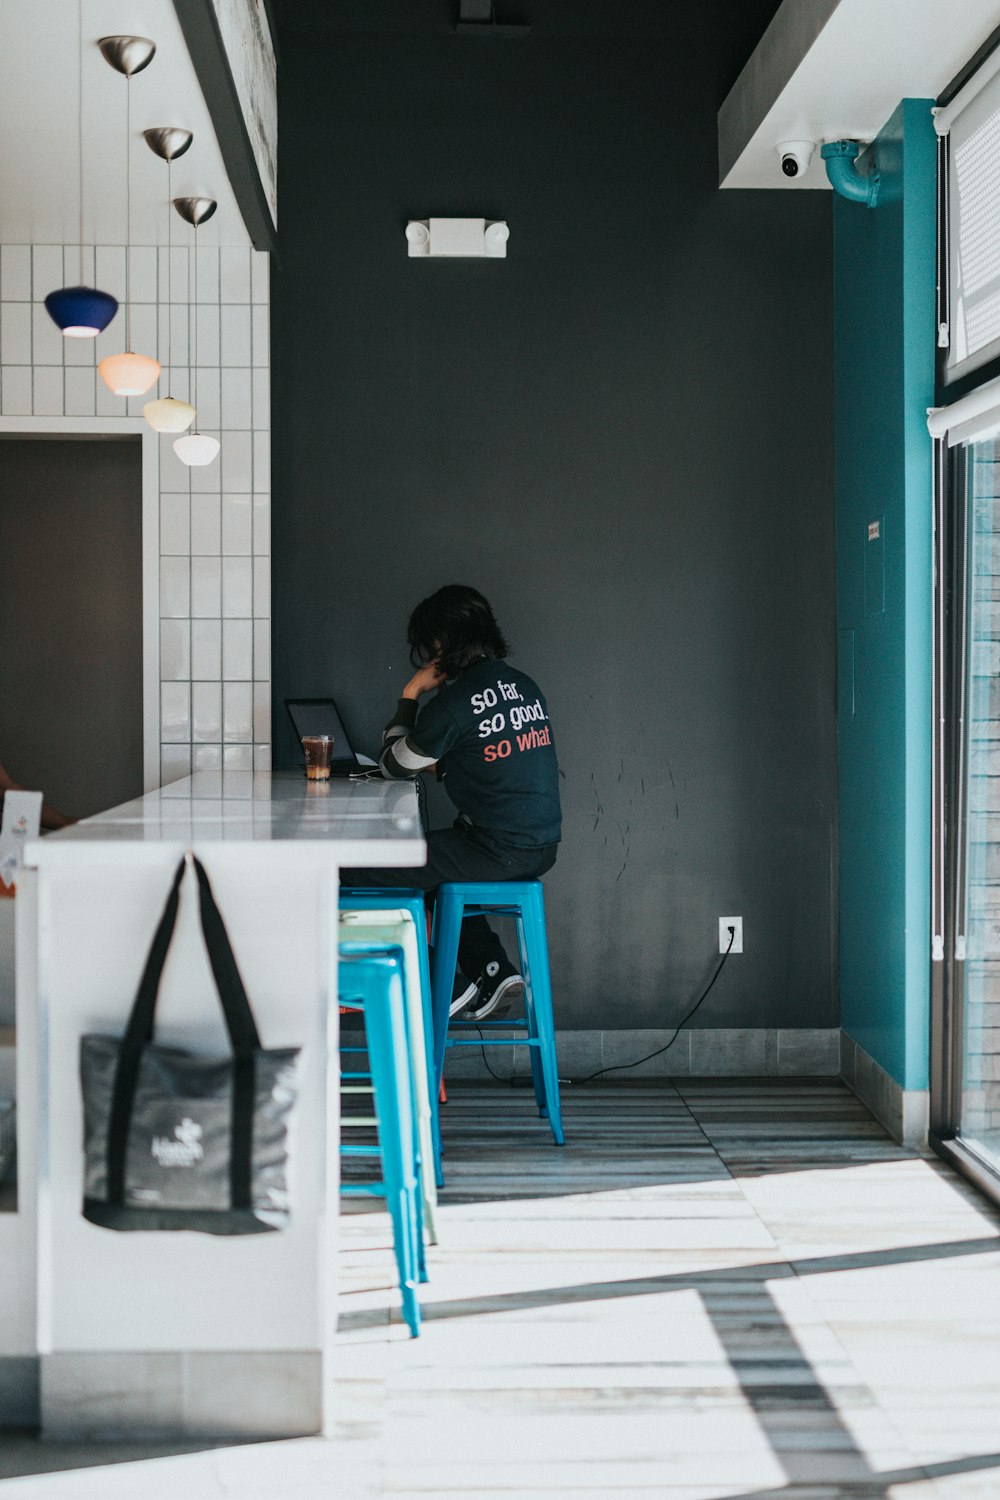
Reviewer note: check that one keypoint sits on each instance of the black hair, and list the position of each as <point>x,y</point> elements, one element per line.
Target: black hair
<point>455,627</point>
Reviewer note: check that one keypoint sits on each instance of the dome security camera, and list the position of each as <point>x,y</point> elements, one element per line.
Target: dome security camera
<point>795,157</point>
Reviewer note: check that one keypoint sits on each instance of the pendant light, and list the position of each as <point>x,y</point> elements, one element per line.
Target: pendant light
<point>168,414</point>
<point>80,312</point>
<point>128,374</point>
<point>195,448</point>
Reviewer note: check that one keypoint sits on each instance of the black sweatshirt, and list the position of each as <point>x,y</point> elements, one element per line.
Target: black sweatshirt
<point>490,734</point>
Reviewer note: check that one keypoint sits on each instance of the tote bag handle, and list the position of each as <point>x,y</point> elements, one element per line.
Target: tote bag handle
<point>240,1025</point>
<point>239,1019</point>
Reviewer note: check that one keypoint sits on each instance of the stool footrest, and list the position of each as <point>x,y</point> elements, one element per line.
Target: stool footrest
<point>495,1025</point>
<point>497,1041</point>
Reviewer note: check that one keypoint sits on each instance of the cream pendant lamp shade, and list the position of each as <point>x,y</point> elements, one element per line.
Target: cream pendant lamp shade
<point>129,374</point>
<point>168,414</point>
<point>196,449</point>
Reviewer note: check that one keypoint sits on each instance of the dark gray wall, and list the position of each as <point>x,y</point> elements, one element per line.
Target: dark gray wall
<point>622,434</point>
<point>71,613</point>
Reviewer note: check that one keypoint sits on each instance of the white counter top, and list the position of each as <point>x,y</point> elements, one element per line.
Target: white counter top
<point>358,822</point>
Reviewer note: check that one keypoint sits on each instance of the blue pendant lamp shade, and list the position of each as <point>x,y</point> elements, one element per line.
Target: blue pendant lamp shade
<point>81,312</point>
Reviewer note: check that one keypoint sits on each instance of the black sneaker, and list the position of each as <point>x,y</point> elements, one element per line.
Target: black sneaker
<point>463,993</point>
<point>496,991</point>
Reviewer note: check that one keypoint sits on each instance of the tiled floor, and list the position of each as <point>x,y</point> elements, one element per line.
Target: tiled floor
<point>715,1290</point>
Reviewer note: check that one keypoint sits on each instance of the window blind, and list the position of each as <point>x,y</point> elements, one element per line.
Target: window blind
<point>968,420</point>
<point>972,124</point>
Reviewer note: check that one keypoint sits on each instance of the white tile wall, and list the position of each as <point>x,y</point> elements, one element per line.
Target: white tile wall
<point>237,524</point>
<point>207,757</point>
<point>206,649</point>
<point>206,588</point>
<point>237,650</point>
<point>175,650</point>
<point>207,712</point>
<point>206,540</point>
<point>237,712</point>
<point>237,587</point>
<point>214,533</point>
<point>175,520</point>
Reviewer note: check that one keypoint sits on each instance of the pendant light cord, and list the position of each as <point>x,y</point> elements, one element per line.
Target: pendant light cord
<point>128,207</point>
<point>194,367</point>
<point>170,300</point>
<point>190,391</point>
<point>79,130</point>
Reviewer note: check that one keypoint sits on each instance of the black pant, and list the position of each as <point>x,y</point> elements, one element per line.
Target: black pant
<point>464,853</point>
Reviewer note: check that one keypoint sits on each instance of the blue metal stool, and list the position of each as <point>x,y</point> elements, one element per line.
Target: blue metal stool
<point>523,901</point>
<point>358,898</point>
<point>394,932</point>
<point>373,982</point>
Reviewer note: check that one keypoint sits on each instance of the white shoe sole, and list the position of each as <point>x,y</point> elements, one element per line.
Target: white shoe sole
<point>465,998</point>
<point>501,1000</point>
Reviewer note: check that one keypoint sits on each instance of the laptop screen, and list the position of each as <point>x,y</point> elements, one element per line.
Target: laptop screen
<point>321,716</point>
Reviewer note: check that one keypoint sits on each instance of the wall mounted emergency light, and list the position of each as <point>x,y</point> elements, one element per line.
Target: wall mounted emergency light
<point>458,238</point>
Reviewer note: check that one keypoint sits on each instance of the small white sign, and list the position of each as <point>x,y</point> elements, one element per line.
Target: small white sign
<point>874,530</point>
<point>22,817</point>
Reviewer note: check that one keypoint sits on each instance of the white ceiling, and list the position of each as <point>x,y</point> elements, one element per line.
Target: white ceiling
<point>39,162</point>
<point>843,82</point>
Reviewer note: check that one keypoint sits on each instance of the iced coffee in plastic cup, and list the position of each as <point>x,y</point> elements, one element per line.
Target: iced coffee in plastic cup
<point>318,751</point>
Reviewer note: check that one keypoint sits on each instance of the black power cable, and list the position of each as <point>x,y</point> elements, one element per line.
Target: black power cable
<point>619,1067</point>
<point>486,1061</point>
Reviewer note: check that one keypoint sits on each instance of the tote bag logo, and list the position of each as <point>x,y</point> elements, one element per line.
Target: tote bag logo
<point>184,1150</point>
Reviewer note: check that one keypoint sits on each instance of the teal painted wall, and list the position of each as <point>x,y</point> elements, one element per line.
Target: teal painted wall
<point>884,277</point>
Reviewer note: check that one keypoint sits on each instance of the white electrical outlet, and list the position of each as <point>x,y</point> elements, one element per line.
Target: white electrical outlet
<point>724,925</point>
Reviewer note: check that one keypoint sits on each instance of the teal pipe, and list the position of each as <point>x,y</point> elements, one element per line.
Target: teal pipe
<point>845,179</point>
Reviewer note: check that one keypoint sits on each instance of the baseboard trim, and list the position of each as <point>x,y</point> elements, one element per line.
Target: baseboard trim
<point>117,1395</point>
<point>717,1052</point>
<point>19,1384</point>
<point>905,1113</point>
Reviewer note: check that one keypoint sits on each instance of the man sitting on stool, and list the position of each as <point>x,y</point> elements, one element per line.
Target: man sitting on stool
<point>488,735</point>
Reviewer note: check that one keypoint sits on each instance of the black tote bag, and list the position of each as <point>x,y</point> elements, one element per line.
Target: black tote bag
<point>177,1140</point>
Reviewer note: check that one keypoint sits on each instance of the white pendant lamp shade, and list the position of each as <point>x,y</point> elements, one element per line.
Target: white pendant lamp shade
<point>129,374</point>
<point>168,414</point>
<point>196,449</point>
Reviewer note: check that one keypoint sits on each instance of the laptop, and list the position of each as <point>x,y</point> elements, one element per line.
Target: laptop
<point>322,716</point>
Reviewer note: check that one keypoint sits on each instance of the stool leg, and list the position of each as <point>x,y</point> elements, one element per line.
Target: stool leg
<point>447,929</point>
<point>407,1080</point>
<point>531,1017</point>
<point>351,949</point>
<point>541,989</point>
<point>394,1106</point>
<point>426,994</point>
